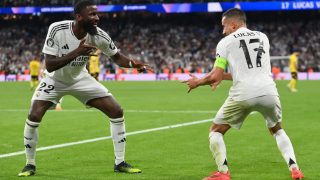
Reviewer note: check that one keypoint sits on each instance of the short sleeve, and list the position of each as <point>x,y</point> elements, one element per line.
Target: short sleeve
<point>51,44</point>
<point>221,50</point>
<point>105,43</point>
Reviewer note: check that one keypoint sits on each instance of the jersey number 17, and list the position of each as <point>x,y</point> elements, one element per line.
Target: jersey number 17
<point>259,51</point>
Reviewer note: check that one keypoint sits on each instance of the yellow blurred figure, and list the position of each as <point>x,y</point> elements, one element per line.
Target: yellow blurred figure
<point>94,69</point>
<point>34,67</point>
<point>294,70</point>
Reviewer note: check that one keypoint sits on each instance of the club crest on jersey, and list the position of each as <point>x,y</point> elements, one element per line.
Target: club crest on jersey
<point>50,42</point>
<point>112,46</point>
<point>79,61</point>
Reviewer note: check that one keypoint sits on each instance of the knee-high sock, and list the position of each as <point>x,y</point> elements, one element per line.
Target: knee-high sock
<point>294,83</point>
<point>286,149</point>
<point>36,83</point>
<point>290,84</point>
<point>218,149</point>
<point>31,140</point>
<point>31,84</point>
<point>117,128</point>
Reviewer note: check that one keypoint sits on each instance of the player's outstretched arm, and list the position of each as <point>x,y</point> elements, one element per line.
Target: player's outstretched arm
<point>227,76</point>
<point>54,63</point>
<point>213,79</point>
<point>124,61</point>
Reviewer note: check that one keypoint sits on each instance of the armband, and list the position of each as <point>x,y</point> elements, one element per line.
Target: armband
<point>221,63</point>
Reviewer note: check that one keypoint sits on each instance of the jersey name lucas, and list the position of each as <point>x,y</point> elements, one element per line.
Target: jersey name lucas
<point>243,34</point>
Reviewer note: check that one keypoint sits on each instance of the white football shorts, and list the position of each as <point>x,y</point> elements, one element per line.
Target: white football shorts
<point>84,90</point>
<point>234,112</point>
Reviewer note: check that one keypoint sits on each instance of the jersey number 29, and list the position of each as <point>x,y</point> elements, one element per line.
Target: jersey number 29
<point>259,51</point>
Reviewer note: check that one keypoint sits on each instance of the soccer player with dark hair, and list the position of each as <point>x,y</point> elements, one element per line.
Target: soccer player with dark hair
<point>67,48</point>
<point>246,54</point>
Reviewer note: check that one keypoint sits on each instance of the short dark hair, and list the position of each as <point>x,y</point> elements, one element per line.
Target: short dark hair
<point>293,50</point>
<point>235,13</point>
<point>80,5</point>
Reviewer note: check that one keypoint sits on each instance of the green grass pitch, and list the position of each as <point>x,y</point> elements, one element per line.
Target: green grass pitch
<point>173,154</point>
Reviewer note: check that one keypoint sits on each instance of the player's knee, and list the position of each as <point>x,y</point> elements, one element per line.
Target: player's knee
<point>116,113</point>
<point>34,116</point>
<point>275,128</point>
<point>221,128</point>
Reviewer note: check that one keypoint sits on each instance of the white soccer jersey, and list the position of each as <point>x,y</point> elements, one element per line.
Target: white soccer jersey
<point>248,57</point>
<point>60,41</point>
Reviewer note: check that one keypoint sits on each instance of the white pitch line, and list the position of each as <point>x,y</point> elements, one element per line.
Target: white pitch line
<point>130,111</point>
<point>107,137</point>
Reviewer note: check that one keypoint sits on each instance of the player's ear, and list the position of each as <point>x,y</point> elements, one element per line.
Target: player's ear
<point>78,17</point>
<point>234,25</point>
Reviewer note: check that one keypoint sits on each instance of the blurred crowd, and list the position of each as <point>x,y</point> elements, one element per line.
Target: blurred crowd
<point>11,3</point>
<point>180,44</point>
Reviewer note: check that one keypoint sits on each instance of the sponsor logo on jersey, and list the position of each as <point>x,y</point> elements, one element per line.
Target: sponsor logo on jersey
<point>79,61</point>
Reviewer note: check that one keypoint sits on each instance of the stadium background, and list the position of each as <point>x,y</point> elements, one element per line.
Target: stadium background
<point>171,43</point>
<point>174,44</point>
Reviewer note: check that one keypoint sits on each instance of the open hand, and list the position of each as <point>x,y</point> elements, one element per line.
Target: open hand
<point>192,83</point>
<point>140,66</point>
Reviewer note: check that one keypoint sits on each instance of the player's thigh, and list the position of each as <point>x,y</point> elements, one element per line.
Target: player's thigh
<point>38,109</point>
<point>49,90</point>
<point>232,113</point>
<point>270,108</point>
<point>108,105</point>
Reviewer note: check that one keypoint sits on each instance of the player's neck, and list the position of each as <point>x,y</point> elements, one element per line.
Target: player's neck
<point>240,26</point>
<point>79,32</point>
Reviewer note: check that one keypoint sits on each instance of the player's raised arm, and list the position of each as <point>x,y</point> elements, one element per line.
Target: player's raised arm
<point>54,63</point>
<point>127,62</point>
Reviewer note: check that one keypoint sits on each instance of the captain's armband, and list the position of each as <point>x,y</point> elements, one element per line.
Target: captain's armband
<point>221,63</point>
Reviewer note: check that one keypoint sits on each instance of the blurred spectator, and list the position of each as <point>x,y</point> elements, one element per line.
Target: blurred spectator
<point>169,43</point>
<point>10,3</point>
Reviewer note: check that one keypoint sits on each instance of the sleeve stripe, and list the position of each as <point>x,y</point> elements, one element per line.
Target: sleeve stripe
<point>103,34</point>
<point>108,39</point>
<point>54,29</point>
<point>59,30</point>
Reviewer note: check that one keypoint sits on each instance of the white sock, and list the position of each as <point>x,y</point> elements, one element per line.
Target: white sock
<point>31,140</point>
<point>286,149</point>
<point>117,128</point>
<point>218,149</point>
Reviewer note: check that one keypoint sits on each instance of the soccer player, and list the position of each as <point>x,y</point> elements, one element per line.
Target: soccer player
<point>94,68</point>
<point>67,48</point>
<point>294,70</point>
<point>246,54</point>
<point>34,67</point>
